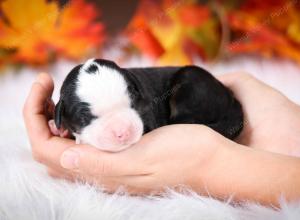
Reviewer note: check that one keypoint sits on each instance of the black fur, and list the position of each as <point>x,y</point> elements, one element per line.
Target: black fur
<point>70,112</point>
<point>92,69</point>
<point>161,96</point>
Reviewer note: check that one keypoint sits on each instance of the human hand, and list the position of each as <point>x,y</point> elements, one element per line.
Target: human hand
<point>37,111</point>
<point>272,121</point>
<point>157,161</point>
<point>165,157</point>
<point>198,157</point>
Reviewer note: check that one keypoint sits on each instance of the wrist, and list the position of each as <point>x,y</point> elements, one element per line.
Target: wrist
<point>250,174</point>
<point>210,171</point>
<point>217,179</point>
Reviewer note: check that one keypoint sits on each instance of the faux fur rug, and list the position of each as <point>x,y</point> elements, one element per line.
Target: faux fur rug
<point>26,192</point>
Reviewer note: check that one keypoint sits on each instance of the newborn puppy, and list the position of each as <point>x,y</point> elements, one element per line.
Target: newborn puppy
<point>111,107</point>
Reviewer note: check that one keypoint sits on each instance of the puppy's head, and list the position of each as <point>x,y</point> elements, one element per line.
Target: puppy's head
<point>95,105</point>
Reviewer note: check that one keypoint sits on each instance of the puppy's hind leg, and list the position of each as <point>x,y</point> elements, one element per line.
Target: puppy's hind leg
<point>198,98</point>
<point>231,124</point>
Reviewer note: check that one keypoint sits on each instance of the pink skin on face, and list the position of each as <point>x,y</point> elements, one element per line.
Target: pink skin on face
<point>114,131</point>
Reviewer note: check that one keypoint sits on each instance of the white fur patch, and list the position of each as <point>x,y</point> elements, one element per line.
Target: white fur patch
<point>103,89</point>
<point>101,132</point>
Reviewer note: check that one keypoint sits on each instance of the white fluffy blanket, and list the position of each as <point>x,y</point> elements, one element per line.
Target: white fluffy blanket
<point>26,192</point>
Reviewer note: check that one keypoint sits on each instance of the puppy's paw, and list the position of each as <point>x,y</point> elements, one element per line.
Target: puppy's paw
<point>57,132</point>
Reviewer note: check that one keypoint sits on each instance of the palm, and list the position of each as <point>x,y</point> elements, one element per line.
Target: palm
<point>272,122</point>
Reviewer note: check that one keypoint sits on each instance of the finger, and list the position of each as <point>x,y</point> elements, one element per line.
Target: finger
<point>47,82</point>
<point>235,78</point>
<point>49,152</point>
<point>133,191</point>
<point>60,174</point>
<point>247,88</point>
<point>111,186</point>
<point>35,120</point>
<point>41,90</point>
<point>93,162</point>
<point>54,130</point>
<point>143,182</point>
<point>49,109</point>
<point>241,84</point>
<point>107,185</point>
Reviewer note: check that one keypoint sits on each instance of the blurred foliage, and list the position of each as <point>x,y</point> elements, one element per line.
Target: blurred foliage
<point>176,31</point>
<point>38,31</point>
<point>168,31</point>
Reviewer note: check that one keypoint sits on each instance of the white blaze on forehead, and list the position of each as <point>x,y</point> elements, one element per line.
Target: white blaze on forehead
<point>104,89</point>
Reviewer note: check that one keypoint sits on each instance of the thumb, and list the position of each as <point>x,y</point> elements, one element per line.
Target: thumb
<point>90,161</point>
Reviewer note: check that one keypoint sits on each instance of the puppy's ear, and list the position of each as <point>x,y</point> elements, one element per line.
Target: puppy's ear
<point>59,108</point>
<point>109,63</point>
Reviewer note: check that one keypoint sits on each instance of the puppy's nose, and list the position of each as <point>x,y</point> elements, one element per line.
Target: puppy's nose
<point>122,134</point>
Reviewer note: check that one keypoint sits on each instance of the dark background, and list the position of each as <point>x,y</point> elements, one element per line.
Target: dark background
<point>114,13</point>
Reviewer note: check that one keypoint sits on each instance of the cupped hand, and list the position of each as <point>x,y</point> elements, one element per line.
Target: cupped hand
<point>38,109</point>
<point>166,157</point>
<point>272,121</point>
<point>176,155</point>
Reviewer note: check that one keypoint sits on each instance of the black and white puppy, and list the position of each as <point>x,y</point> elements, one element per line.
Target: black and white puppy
<point>111,107</point>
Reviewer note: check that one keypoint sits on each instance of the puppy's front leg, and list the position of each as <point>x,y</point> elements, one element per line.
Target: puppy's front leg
<point>57,132</point>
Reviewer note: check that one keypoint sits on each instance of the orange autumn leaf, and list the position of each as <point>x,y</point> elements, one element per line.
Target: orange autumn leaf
<point>39,29</point>
<point>191,48</point>
<point>77,32</point>
<point>24,28</point>
<point>175,55</point>
<point>170,31</point>
<point>254,36</point>
<point>147,43</point>
<point>194,15</point>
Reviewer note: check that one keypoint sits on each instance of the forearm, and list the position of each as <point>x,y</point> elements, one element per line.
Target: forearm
<point>250,174</point>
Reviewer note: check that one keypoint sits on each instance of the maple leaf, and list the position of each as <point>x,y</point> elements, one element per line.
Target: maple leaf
<point>269,36</point>
<point>175,31</point>
<point>38,30</point>
<point>77,31</point>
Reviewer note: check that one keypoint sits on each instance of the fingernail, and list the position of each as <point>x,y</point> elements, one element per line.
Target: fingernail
<point>39,76</point>
<point>69,159</point>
